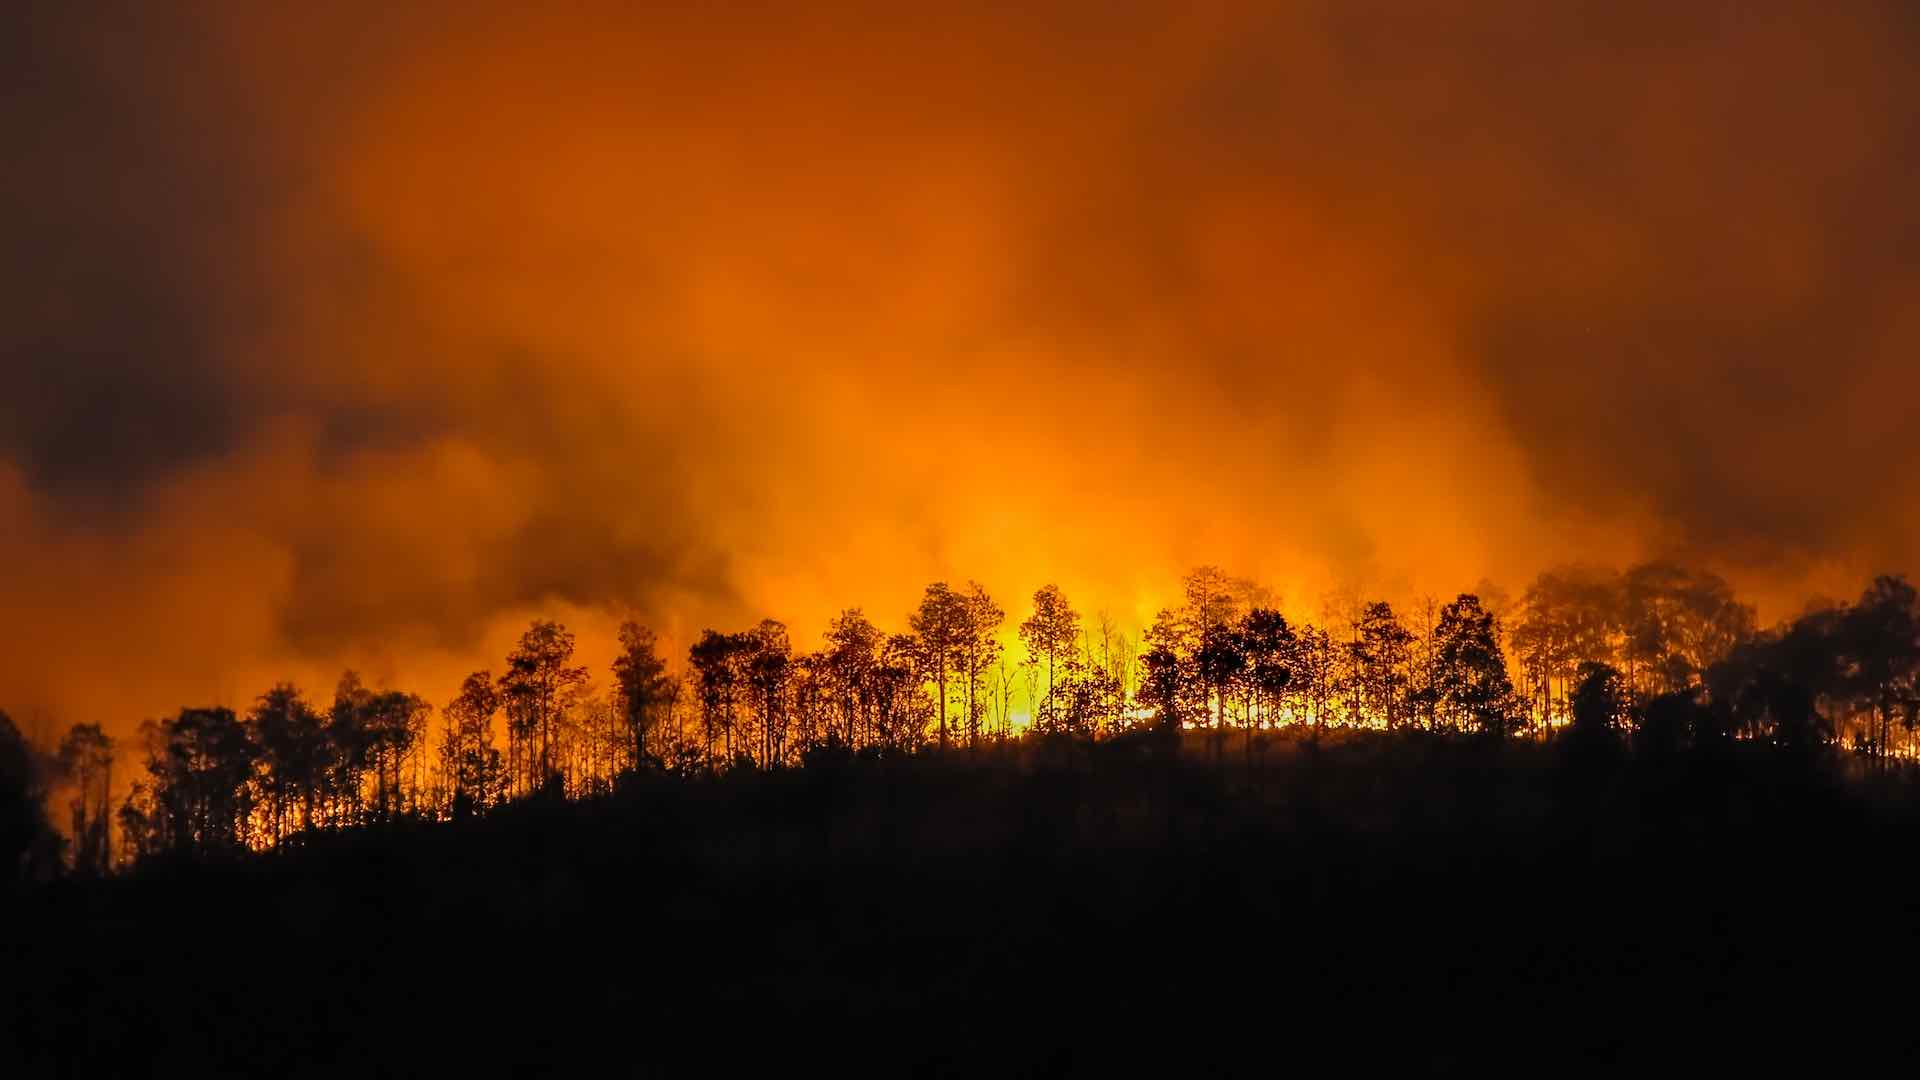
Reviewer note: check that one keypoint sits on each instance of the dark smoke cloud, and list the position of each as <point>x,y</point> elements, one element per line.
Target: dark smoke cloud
<point>114,213</point>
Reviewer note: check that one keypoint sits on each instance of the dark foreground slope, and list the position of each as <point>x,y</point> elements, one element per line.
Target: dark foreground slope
<point>1440,905</point>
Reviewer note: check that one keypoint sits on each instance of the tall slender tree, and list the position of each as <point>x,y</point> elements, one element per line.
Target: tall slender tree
<point>640,674</point>
<point>851,653</point>
<point>86,766</point>
<point>294,753</point>
<point>1269,645</point>
<point>1382,654</point>
<point>471,761</point>
<point>979,648</point>
<point>543,684</point>
<point>768,669</point>
<point>940,625</point>
<point>716,674</point>
<point>1049,635</point>
<point>29,846</point>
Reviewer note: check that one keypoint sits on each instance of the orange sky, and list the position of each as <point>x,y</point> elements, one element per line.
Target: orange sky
<point>358,337</point>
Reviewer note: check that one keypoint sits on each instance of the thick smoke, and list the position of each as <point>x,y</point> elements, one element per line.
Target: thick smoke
<point>354,337</point>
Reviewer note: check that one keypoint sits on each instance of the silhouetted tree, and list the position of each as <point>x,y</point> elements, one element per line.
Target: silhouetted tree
<point>768,665</point>
<point>1673,623</point>
<point>294,750</point>
<point>1116,661</point>
<point>1423,692</point>
<point>395,728</point>
<point>901,710</point>
<point>1269,645</point>
<point>716,674</point>
<point>1213,600</point>
<point>1670,723</point>
<point>469,757</point>
<point>541,685</point>
<point>199,763</point>
<point>1381,656</point>
<point>1160,687</point>
<point>941,626</point>
<point>1877,643</point>
<point>811,706</point>
<point>1049,634</point>
<point>979,648</point>
<point>852,652</point>
<point>1084,695</point>
<point>1314,678</point>
<point>1771,686</point>
<point>1470,670</point>
<point>1791,719</point>
<point>1602,705</point>
<point>86,771</point>
<point>1219,661</point>
<point>640,673</point>
<point>29,847</point>
<point>1568,616</point>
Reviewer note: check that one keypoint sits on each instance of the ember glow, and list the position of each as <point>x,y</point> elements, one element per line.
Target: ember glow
<point>355,337</point>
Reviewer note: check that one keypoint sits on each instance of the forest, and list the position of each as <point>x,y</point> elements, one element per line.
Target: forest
<point>1657,654</point>
<point>762,833</point>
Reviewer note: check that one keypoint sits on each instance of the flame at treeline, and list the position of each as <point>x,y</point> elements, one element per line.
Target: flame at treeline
<point>1658,653</point>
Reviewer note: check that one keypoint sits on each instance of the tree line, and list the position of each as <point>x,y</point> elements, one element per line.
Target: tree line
<point>1658,655</point>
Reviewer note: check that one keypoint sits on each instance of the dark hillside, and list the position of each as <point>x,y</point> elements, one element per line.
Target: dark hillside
<point>1429,902</point>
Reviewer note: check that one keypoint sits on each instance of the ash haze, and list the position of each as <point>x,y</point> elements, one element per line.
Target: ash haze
<point>357,336</point>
